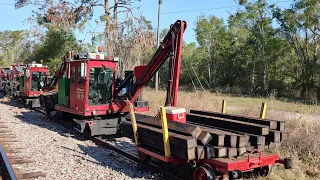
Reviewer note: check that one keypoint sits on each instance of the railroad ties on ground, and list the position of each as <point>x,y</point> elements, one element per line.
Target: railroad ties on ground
<point>10,158</point>
<point>209,134</point>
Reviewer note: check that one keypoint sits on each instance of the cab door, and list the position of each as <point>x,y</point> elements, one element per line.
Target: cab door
<point>80,89</point>
<point>77,87</point>
<point>73,86</point>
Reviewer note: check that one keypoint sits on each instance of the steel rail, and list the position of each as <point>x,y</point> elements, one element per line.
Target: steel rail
<point>6,168</point>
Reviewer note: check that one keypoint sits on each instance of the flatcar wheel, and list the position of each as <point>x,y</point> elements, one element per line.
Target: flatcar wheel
<point>144,156</point>
<point>30,105</point>
<point>265,170</point>
<point>204,172</point>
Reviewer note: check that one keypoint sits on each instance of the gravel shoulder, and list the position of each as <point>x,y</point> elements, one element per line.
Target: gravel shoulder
<point>60,152</point>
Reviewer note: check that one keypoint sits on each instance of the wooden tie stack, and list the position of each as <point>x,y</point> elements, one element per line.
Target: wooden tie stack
<point>208,134</point>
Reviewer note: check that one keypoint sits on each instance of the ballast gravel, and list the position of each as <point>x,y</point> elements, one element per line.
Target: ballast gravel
<point>62,153</point>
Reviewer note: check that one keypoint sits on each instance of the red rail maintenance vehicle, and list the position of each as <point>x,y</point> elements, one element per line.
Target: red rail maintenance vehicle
<point>12,84</point>
<point>87,93</point>
<point>31,83</point>
<point>87,90</point>
<point>4,72</point>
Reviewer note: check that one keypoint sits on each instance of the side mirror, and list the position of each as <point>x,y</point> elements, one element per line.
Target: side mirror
<point>83,68</point>
<point>46,80</point>
<point>27,73</point>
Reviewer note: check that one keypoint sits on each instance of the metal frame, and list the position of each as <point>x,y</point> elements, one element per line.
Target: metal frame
<point>225,165</point>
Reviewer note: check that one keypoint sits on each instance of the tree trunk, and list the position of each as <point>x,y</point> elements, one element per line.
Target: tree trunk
<point>115,20</point>
<point>209,72</point>
<point>253,83</point>
<point>108,24</point>
<point>294,42</point>
<point>263,61</point>
<point>214,73</point>
<point>264,69</point>
<point>114,35</point>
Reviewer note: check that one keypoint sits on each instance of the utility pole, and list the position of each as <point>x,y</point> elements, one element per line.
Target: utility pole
<point>158,43</point>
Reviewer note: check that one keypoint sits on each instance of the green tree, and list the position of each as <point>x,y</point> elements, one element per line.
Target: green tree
<point>212,36</point>
<point>12,46</point>
<point>258,21</point>
<point>299,25</point>
<point>54,47</point>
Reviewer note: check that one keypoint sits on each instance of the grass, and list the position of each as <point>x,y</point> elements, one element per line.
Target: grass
<point>235,105</point>
<point>302,121</point>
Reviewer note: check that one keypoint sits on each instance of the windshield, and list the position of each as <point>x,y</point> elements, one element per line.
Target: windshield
<point>100,85</point>
<point>6,70</point>
<point>20,69</point>
<point>38,79</point>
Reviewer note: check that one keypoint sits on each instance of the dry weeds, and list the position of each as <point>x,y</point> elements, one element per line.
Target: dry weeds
<point>302,121</point>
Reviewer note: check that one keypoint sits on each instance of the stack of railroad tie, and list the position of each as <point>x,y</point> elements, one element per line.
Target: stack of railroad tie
<point>209,134</point>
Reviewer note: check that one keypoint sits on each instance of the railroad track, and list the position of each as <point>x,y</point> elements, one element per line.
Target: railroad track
<point>8,157</point>
<point>7,171</point>
<point>110,144</point>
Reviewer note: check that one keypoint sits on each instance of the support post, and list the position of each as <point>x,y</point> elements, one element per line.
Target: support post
<point>165,132</point>
<point>263,110</point>
<point>223,110</point>
<point>158,43</point>
<point>134,124</point>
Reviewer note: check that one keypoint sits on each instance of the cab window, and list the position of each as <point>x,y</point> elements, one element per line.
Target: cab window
<point>80,80</point>
<point>100,85</point>
<point>73,74</point>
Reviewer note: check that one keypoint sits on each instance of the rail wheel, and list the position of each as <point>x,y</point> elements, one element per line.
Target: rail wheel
<point>144,156</point>
<point>204,172</point>
<point>265,170</point>
<point>262,171</point>
<point>29,105</point>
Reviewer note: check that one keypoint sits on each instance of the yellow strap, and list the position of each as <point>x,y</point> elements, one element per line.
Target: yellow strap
<point>165,132</point>
<point>134,124</point>
<point>263,110</point>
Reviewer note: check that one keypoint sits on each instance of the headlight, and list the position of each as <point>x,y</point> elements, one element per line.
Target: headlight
<point>116,59</point>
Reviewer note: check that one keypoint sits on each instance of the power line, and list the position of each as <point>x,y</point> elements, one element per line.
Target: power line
<point>226,7</point>
<point>195,10</point>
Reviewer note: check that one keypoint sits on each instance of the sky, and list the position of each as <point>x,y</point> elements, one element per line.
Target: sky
<point>171,10</point>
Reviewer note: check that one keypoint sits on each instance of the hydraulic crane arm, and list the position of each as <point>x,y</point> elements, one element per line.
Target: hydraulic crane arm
<point>170,48</point>
<point>59,73</point>
<point>52,84</point>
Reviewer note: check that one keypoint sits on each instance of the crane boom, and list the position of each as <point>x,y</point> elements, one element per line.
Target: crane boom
<point>54,81</point>
<point>170,49</point>
<point>59,73</point>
